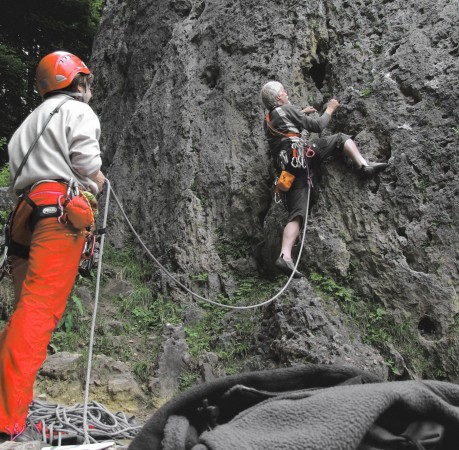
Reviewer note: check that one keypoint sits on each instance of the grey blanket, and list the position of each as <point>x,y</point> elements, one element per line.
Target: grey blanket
<point>307,407</point>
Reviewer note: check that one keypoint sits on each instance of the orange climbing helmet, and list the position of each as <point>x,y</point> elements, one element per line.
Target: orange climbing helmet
<point>57,71</point>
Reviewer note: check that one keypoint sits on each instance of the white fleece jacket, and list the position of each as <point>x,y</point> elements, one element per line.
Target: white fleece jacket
<point>69,146</point>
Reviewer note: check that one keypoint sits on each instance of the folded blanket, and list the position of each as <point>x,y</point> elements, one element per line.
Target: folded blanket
<point>307,407</point>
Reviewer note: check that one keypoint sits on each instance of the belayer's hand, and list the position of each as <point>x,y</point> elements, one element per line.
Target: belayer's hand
<point>100,180</point>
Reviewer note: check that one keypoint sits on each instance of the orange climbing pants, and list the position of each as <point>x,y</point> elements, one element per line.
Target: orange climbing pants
<point>42,285</point>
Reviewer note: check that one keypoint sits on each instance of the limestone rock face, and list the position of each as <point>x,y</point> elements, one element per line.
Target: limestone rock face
<point>177,90</point>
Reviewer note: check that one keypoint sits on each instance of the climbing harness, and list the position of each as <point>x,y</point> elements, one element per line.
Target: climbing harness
<point>72,207</point>
<point>301,150</point>
<point>44,211</point>
<point>296,158</point>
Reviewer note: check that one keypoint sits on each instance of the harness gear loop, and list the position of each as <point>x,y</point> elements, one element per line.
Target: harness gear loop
<point>301,151</point>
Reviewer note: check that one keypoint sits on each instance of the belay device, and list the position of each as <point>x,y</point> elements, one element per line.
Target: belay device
<point>90,254</point>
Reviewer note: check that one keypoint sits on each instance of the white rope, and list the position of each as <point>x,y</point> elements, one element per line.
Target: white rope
<point>93,324</point>
<point>60,424</point>
<point>204,299</point>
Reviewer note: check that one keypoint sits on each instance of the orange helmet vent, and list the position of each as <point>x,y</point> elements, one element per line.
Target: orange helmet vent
<point>57,71</point>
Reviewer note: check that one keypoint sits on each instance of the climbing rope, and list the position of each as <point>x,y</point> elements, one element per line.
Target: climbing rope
<point>93,323</point>
<point>204,299</point>
<point>59,425</point>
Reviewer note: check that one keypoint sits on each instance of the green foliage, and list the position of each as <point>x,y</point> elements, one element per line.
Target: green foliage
<point>5,171</point>
<point>5,176</point>
<point>200,276</point>
<point>73,311</point>
<point>424,183</point>
<point>150,317</point>
<point>376,325</point>
<point>142,369</point>
<point>65,341</point>
<point>3,218</point>
<point>127,259</point>
<point>454,327</point>
<point>188,379</point>
<point>391,365</point>
<point>230,249</point>
<point>67,330</point>
<point>28,31</point>
<point>366,92</point>
<point>330,287</point>
<point>230,333</point>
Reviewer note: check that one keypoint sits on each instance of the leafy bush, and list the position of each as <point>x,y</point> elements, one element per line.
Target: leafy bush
<point>5,176</point>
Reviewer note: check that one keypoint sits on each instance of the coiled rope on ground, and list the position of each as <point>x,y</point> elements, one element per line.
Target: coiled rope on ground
<point>58,424</point>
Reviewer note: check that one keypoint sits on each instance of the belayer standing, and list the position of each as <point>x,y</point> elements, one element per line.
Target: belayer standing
<point>54,156</point>
<point>283,125</point>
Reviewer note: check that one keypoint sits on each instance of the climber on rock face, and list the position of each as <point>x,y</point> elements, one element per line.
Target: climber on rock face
<point>283,126</point>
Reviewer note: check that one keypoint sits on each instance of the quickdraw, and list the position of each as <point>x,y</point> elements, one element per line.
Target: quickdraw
<point>301,151</point>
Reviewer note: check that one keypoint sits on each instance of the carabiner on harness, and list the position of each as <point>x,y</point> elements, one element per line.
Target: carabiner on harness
<point>282,160</point>
<point>90,253</point>
<point>299,154</point>
<point>63,200</point>
<point>72,190</point>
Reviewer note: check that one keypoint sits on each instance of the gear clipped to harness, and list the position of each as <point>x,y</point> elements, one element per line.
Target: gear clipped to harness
<point>90,253</point>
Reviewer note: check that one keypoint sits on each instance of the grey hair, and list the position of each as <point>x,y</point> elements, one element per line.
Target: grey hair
<point>269,93</point>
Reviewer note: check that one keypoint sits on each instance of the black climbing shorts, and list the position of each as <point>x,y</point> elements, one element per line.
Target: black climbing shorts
<point>296,203</point>
<point>328,146</point>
